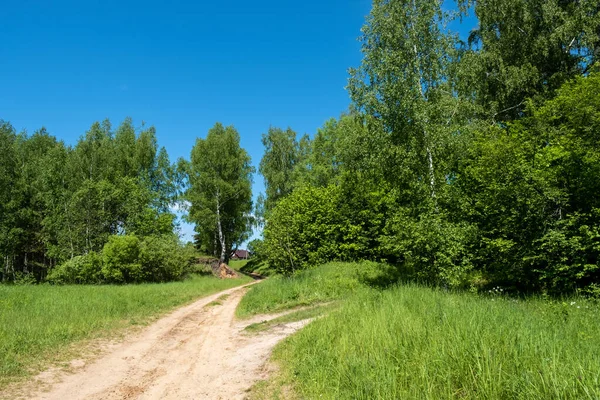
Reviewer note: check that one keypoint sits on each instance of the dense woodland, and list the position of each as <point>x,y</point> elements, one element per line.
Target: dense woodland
<point>462,162</point>
<point>465,163</point>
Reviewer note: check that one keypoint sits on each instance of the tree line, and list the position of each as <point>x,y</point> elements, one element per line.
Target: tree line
<point>464,162</point>
<point>101,211</point>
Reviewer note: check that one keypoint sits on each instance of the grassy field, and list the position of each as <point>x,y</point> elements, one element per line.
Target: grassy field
<point>39,323</point>
<point>413,342</point>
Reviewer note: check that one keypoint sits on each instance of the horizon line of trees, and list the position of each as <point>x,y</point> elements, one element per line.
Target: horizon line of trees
<point>101,211</point>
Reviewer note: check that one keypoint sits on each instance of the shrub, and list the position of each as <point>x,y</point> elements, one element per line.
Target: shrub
<point>163,258</point>
<point>128,259</point>
<point>312,226</point>
<point>121,260</point>
<point>430,248</point>
<point>79,269</point>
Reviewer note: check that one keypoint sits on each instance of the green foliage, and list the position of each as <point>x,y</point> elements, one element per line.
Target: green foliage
<point>315,225</point>
<point>530,189</point>
<point>278,164</point>
<point>256,248</point>
<point>79,269</point>
<point>463,164</point>
<point>220,193</point>
<point>64,202</point>
<point>430,248</point>
<point>416,342</point>
<point>526,49</point>
<point>129,259</point>
<point>121,256</point>
<point>567,255</point>
<point>303,230</point>
<point>163,258</point>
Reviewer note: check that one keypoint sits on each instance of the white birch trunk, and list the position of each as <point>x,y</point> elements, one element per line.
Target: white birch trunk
<point>220,229</point>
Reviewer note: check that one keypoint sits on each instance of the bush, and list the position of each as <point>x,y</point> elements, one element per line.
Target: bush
<point>121,255</point>
<point>313,226</point>
<point>80,269</point>
<point>162,258</point>
<point>430,248</point>
<point>129,259</point>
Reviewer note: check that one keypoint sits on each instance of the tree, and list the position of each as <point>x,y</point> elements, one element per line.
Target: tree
<point>282,155</point>
<point>404,87</point>
<point>59,202</point>
<point>530,188</point>
<point>527,49</point>
<point>220,179</point>
<point>8,177</point>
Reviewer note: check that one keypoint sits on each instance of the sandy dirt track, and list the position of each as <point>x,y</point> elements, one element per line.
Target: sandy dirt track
<point>199,351</point>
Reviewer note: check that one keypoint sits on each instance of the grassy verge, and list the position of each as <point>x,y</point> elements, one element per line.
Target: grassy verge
<point>307,313</point>
<point>329,282</point>
<point>38,323</point>
<point>414,342</point>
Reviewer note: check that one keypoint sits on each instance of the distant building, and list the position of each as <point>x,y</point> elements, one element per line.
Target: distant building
<point>240,255</point>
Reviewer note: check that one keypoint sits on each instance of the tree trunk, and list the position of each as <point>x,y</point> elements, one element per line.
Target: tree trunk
<point>223,257</point>
<point>424,97</point>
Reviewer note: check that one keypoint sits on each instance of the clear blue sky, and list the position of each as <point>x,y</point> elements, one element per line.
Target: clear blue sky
<point>180,66</point>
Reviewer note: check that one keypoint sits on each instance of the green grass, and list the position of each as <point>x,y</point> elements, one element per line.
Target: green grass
<point>253,265</point>
<point>39,323</point>
<point>412,342</point>
<point>237,264</point>
<point>306,313</point>
<point>328,282</point>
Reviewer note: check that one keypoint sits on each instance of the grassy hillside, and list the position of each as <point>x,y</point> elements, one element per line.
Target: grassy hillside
<point>38,323</point>
<point>415,342</point>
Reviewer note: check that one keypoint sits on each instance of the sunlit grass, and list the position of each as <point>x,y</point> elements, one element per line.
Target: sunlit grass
<point>415,342</point>
<point>412,342</point>
<point>37,323</point>
<point>293,316</point>
<point>328,282</point>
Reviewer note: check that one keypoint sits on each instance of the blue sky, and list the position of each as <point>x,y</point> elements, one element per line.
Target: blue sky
<point>180,66</point>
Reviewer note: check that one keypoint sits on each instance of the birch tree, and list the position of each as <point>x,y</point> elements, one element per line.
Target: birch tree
<point>282,155</point>
<point>220,180</point>
<point>403,84</point>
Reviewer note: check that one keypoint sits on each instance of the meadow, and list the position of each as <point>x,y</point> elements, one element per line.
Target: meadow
<point>39,323</point>
<point>415,342</point>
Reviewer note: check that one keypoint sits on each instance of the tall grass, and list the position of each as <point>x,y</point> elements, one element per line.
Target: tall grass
<point>37,323</point>
<point>413,342</point>
<point>328,282</point>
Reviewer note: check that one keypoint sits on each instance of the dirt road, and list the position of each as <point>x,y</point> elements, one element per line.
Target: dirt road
<point>197,352</point>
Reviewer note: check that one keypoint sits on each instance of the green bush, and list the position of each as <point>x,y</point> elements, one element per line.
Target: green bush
<point>121,255</point>
<point>128,259</point>
<point>312,226</point>
<point>162,258</point>
<point>430,248</point>
<point>79,269</point>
